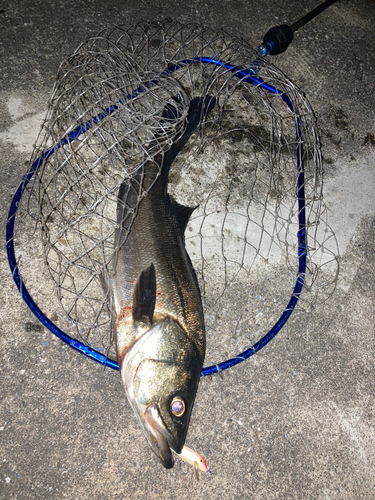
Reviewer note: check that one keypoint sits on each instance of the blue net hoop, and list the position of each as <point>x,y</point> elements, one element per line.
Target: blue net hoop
<point>245,75</point>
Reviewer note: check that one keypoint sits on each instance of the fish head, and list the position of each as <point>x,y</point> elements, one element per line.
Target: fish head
<point>160,374</point>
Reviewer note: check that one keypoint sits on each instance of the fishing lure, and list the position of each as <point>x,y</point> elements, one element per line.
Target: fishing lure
<point>193,458</point>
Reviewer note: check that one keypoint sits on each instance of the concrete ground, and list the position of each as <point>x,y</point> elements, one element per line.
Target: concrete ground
<point>297,424</point>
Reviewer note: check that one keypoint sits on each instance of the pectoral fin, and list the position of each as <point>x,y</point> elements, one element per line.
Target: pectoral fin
<point>144,296</point>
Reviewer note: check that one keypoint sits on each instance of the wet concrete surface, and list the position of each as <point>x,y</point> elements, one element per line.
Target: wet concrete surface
<point>295,422</point>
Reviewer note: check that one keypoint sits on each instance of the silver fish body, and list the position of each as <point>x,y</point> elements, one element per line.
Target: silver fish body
<point>160,333</point>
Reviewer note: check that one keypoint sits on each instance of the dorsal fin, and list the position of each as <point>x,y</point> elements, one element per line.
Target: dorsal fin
<point>144,296</point>
<point>183,214</point>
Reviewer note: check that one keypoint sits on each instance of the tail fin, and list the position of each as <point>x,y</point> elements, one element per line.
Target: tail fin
<point>199,108</point>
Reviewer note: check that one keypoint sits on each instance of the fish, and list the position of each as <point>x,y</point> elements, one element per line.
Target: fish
<point>156,301</point>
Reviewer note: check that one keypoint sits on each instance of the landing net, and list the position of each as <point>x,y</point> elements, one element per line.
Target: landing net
<point>259,240</point>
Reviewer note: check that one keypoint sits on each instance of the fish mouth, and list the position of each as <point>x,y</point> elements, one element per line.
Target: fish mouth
<point>159,437</point>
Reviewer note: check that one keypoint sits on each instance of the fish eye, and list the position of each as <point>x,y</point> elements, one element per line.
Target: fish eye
<point>178,406</point>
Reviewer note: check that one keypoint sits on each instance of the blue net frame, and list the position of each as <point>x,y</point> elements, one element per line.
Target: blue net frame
<point>245,75</point>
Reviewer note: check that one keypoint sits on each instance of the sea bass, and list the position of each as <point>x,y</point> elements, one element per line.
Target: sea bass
<point>160,332</point>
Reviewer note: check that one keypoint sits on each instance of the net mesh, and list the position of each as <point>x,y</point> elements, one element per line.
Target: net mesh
<point>239,169</point>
